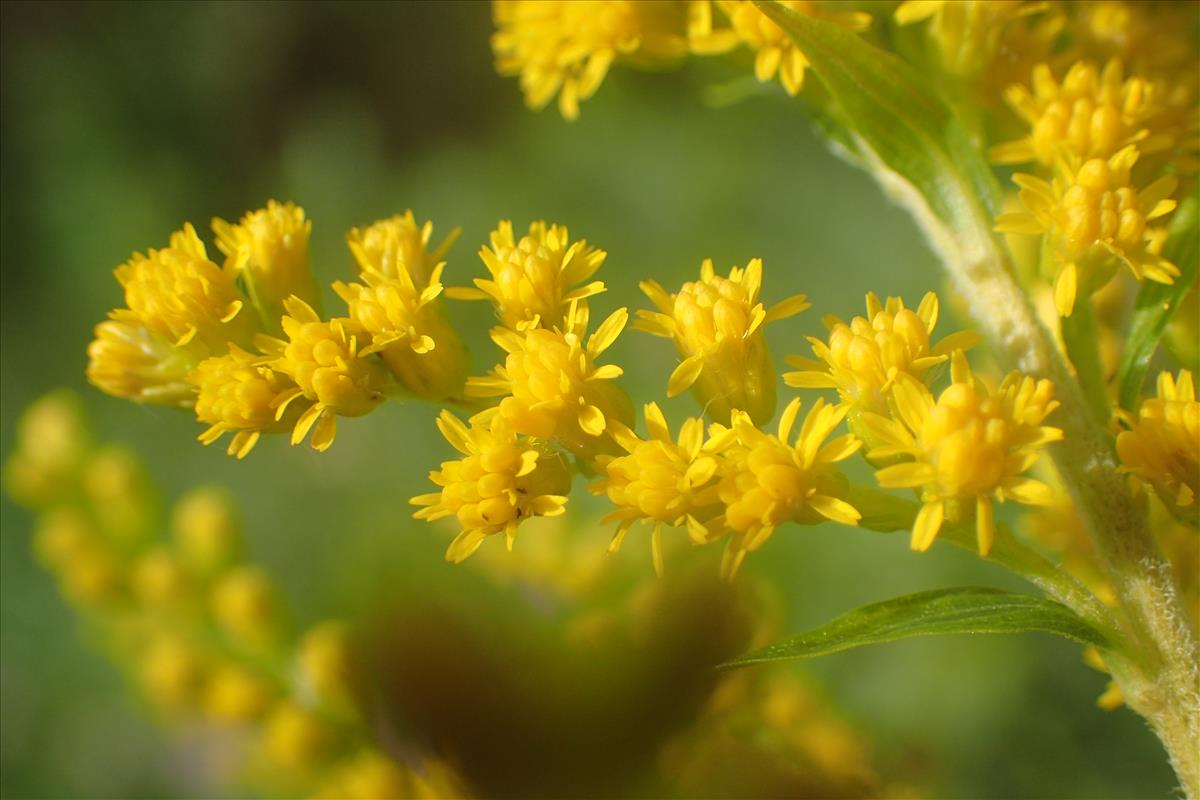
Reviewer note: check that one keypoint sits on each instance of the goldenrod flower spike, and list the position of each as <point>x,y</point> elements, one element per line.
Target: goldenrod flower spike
<point>554,388</point>
<point>180,295</point>
<point>501,480</point>
<point>767,481</point>
<point>270,247</point>
<point>1093,215</point>
<point>969,448</point>
<point>535,280</point>
<point>863,360</point>
<point>409,331</point>
<point>717,323</point>
<point>662,480</point>
<point>240,393</point>
<point>566,47</point>
<point>324,360</point>
<point>397,245</point>
<point>775,52</point>
<point>1163,447</point>
<point>127,360</point>
<point>1092,114</point>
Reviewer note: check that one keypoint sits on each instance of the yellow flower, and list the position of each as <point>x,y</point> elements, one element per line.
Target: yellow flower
<point>126,360</point>
<point>234,694</point>
<point>765,481</point>
<point>661,481</point>
<point>536,279</point>
<point>238,392</point>
<point>554,388</point>
<point>967,33</point>
<point>324,360</point>
<point>1163,447</point>
<point>1154,38</point>
<point>1092,114</point>
<point>295,738</point>
<point>270,247</point>
<point>61,535</point>
<point>205,529</point>
<point>970,447</point>
<point>324,658</point>
<point>717,324</point>
<point>1093,215</point>
<point>243,603</point>
<point>865,359</point>
<point>409,331</point>
<point>52,442</point>
<point>368,776</point>
<point>180,295</point>
<point>501,480</point>
<point>158,579</point>
<point>565,47</point>
<point>776,53</point>
<point>397,245</point>
<point>171,672</point>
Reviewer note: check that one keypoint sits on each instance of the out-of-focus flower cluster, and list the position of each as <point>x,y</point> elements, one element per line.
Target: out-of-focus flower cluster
<point>201,631</point>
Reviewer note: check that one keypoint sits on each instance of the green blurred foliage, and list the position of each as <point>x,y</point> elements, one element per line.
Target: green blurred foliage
<point>120,121</point>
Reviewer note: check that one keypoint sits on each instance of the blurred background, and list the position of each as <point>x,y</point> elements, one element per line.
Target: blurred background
<point>121,121</point>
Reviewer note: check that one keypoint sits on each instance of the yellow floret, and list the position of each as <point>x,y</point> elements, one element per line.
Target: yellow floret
<point>180,295</point>
<point>767,481</point>
<point>406,326</point>
<point>127,360</point>
<point>1092,114</point>
<point>234,694</point>
<point>501,480</point>
<point>1094,218</point>
<point>205,528</point>
<point>243,603</point>
<point>775,52</point>
<point>717,325</point>
<point>329,369</point>
<point>565,47</point>
<point>662,481</point>
<point>554,388</point>
<point>1163,447</point>
<point>968,448</point>
<point>397,245</point>
<point>270,247</point>
<point>967,34</point>
<point>239,392</point>
<point>865,359</point>
<point>535,279</point>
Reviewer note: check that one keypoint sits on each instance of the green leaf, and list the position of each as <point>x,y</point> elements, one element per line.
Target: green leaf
<point>1157,303</point>
<point>943,611</point>
<point>890,107</point>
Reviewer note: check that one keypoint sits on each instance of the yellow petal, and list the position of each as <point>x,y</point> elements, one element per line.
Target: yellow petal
<point>684,375</point>
<point>927,525</point>
<point>985,524</point>
<point>1064,290</point>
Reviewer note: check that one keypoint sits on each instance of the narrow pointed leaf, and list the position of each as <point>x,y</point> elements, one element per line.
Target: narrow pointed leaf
<point>890,108</point>
<point>939,612</point>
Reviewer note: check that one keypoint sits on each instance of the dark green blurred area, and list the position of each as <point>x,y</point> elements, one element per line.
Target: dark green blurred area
<point>120,121</point>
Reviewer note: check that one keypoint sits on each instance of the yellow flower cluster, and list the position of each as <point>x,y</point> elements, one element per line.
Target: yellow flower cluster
<point>1162,447</point>
<point>202,630</point>
<point>1094,217</point>
<point>774,51</point>
<point>566,47</point>
<point>969,447</point>
<point>717,324</point>
<point>865,359</point>
<point>187,339</point>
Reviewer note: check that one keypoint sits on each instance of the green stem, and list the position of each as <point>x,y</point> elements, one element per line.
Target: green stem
<point>1082,338</point>
<point>1163,687</point>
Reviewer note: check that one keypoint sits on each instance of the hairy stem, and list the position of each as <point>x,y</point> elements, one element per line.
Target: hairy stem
<point>1161,679</point>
